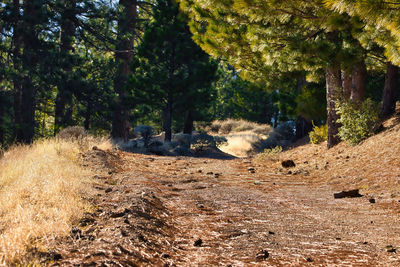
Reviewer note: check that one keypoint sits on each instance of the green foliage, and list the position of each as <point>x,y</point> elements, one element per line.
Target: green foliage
<point>311,103</point>
<point>240,99</point>
<point>319,134</point>
<point>358,120</point>
<point>171,74</point>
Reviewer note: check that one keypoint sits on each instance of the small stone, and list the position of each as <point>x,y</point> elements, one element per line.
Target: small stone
<point>108,190</point>
<point>200,171</point>
<point>257,182</point>
<point>309,259</point>
<point>271,233</point>
<point>350,194</point>
<point>165,256</point>
<point>391,249</point>
<point>262,255</point>
<point>372,200</point>
<point>288,163</point>
<point>95,148</point>
<point>198,243</point>
<point>251,169</point>
<point>210,173</point>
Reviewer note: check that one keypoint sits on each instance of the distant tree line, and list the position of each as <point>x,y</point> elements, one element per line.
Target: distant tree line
<point>111,65</point>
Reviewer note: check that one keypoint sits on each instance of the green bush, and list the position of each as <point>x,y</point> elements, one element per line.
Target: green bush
<point>358,120</point>
<point>319,134</point>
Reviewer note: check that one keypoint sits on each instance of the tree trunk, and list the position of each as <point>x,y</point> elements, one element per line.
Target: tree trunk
<point>333,94</point>
<point>88,114</point>
<point>30,58</point>
<point>17,88</point>
<point>188,128</point>
<point>168,121</point>
<point>359,82</point>
<point>63,109</point>
<point>303,126</point>
<point>123,57</point>
<point>2,111</point>
<point>347,83</point>
<point>390,89</point>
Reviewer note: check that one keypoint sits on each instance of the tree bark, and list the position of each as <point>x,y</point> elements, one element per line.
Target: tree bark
<point>88,114</point>
<point>2,111</point>
<point>188,127</point>
<point>168,121</point>
<point>63,109</point>
<point>17,87</point>
<point>123,57</point>
<point>333,95</point>
<point>30,58</point>
<point>303,126</point>
<point>359,82</point>
<point>389,92</point>
<point>347,83</point>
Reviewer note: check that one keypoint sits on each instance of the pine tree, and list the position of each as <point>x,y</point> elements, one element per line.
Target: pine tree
<point>262,38</point>
<point>171,73</point>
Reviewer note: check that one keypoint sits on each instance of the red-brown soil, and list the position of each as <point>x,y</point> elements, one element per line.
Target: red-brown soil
<point>178,211</point>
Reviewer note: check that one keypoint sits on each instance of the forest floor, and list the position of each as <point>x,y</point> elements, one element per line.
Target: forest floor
<point>187,211</point>
<point>224,211</point>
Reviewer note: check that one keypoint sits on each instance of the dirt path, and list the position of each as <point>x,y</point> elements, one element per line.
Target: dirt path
<point>165,211</point>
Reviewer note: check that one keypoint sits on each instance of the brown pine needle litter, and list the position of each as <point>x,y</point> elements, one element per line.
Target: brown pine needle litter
<point>42,191</point>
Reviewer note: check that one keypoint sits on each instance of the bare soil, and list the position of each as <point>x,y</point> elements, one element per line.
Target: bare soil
<point>179,211</point>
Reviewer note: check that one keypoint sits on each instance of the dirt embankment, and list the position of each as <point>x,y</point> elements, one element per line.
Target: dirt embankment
<point>179,211</point>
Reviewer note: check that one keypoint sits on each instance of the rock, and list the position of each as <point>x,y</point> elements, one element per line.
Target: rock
<point>288,163</point>
<point>390,249</point>
<point>251,169</point>
<point>108,190</point>
<point>309,259</point>
<point>271,233</point>
<point>210,173</point>
<point>349,194</point>
<point>198,243</point>
<point>257,182</point>
<point>262,255</point>
<point>372,200</point>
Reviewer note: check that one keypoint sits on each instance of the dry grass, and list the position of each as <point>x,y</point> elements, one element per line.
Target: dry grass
<point>244,138</point>
<point>242,145</point>
<point>42,191</point>
<point>232,126</point>
<point>373,165</point>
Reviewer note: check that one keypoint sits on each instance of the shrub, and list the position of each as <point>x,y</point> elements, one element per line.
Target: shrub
<point>358,120</point>
<point>319,134</point>
<point>270,153</point>
<point>145,132</point>
<point>231,126</point>
<point>202,141</point>
<point>72,132</point>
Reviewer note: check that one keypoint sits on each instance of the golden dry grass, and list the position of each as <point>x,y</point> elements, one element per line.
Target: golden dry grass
<point>373,165</point>
<point>242,145</point>
<point>42,190</point>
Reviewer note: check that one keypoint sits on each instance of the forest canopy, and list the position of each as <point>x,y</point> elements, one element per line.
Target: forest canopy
<point>112,65</point>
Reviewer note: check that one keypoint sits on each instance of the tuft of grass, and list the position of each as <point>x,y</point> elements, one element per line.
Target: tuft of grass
<point>231,126</point>
<point>42,191</point>
<point>270,154</point>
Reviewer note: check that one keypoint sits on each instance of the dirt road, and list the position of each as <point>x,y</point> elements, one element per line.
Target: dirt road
<point>168,211</point>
